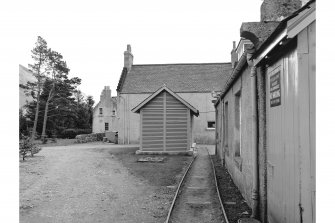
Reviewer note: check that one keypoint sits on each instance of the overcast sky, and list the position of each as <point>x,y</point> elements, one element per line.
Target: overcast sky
<point>92,35</point>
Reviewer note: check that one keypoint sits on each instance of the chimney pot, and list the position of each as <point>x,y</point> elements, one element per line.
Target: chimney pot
<point>128,58</point>
<point>233,55</point>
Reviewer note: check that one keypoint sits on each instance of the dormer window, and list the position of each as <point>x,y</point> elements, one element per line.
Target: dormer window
<point>100,111</point>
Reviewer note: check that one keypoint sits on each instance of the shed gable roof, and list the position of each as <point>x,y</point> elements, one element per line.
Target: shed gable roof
<point>203,77</point>
<point>164,88</point>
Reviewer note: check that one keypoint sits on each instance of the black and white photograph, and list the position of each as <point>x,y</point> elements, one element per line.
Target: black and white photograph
<point>164,112</point>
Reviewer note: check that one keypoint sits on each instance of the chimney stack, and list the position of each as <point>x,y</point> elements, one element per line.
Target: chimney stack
<point>128,58</point>
<point>233,55</point>
<point>277,10</point>
<point>105,94</point>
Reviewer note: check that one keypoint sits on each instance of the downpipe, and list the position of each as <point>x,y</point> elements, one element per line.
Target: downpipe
<point>254,138</point>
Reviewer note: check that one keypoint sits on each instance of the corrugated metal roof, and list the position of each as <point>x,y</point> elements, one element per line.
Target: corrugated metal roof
<point>178,77</point>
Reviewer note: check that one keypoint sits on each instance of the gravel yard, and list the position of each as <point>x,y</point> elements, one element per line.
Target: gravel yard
<point>96,183</point>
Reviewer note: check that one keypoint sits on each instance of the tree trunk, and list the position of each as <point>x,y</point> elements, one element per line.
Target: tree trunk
<point>36,116</point>
<point>46,112</point>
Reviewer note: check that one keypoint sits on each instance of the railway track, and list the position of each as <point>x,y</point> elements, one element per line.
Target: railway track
<point>197,197</point>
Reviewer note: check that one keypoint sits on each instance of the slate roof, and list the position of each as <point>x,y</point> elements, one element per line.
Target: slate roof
<point>257,32</point>
<point>202,77</point>
<point>164,88</point>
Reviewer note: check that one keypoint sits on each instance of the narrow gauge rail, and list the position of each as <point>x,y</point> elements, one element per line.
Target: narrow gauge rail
<point>197,198</point>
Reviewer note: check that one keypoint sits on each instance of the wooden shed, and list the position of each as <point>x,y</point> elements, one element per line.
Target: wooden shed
<point>165,122</point>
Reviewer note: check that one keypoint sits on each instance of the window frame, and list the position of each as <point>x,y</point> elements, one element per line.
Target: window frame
<point>238,123</point>
<point>211,128</point>
<point>226,123</point>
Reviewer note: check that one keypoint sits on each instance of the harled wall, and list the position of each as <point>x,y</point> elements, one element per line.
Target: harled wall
<point>129,122</point>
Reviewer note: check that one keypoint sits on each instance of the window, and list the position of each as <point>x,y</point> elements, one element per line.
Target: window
<point>106,126</point>
<point>211,125</point>
<point>113,112</point>
<point>238,120</point>
<point>100,111</point>
<point>226,125</point>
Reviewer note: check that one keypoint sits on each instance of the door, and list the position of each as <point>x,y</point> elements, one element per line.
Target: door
<point>283,168</point>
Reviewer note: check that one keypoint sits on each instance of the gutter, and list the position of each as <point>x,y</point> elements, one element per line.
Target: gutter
<point>234,75</point>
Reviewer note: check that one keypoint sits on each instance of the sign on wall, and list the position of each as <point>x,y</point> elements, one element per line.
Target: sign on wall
<point>275,92</point>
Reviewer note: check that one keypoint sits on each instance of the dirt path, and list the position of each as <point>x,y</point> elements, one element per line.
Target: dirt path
<point>81,184</point>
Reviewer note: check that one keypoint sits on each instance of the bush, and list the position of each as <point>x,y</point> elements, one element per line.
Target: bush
<point>26,145</point>
<point>83,131</point>
<point>68,134</point>
<point>100,136</point>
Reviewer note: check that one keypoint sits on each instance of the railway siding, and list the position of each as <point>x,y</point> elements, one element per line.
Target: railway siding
<point>197,199</point>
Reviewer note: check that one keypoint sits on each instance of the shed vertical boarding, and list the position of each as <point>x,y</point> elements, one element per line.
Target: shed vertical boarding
<point>166,122</point>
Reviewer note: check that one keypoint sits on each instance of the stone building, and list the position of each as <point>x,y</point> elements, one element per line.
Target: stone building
<point>194,83</point>
<point>104,113</point>
<point>266,113</point>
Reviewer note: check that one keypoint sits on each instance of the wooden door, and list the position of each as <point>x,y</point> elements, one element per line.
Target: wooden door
<point>283,168</point>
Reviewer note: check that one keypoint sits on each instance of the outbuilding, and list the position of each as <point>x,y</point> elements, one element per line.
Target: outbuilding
<point>266,113</point>
<point>165,122</point>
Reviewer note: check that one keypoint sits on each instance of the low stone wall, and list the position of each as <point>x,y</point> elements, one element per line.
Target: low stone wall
<point>93,137</point>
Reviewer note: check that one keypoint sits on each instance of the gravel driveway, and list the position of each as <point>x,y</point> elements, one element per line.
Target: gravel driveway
<point>82,184</point>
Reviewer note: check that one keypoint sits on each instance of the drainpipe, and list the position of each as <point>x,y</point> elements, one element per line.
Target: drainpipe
<point>254,141</point>
<point>124,117</point>
<point>128,114</point>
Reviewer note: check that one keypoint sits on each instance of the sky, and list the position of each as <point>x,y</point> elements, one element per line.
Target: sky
<point>92,35</point>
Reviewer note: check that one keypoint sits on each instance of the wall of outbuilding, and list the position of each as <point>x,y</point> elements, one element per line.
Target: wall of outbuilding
<point>129,122</point>
<point>240,168</point>
<point>202,102</point>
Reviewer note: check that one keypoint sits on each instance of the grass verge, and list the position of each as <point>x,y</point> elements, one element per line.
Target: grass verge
<point>157,175</point>
<point>165,173</point>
